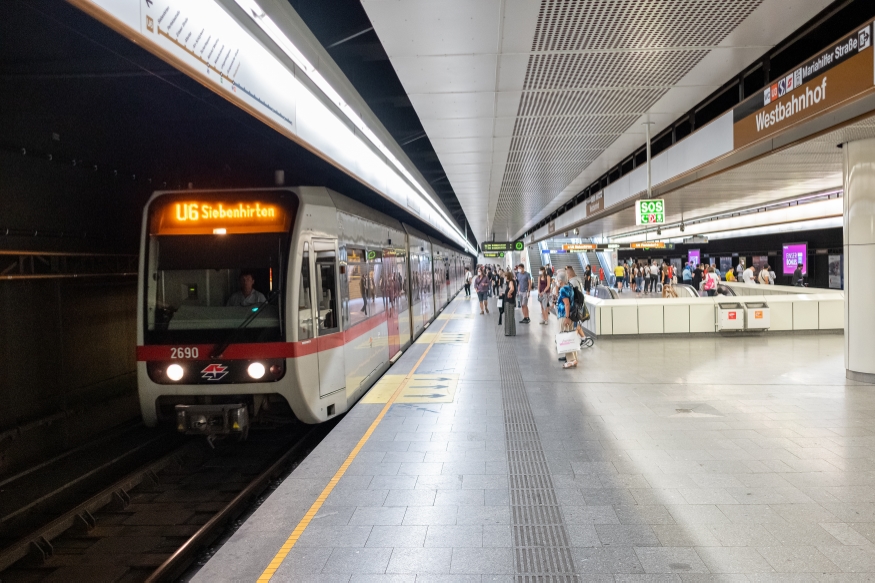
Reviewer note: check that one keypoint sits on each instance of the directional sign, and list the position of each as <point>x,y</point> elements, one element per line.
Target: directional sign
<point>493,255</point>
<point>504,246</point>
<point>419,388</point>
<point>650,212</point>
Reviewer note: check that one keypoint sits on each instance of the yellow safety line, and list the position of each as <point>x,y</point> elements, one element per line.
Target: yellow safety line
<point>268,573</point>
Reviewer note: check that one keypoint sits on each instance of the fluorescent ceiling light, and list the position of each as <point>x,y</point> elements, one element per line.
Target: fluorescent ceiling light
<point>270,28</point>
<point>768,222</point>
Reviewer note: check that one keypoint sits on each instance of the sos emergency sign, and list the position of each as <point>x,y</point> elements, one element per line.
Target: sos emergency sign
<point>650,212</point>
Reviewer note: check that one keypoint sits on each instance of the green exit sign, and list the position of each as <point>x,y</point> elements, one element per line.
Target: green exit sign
<point>650,211</point>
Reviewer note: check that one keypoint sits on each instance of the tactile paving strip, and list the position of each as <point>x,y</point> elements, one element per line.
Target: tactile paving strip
<point>541,548</point>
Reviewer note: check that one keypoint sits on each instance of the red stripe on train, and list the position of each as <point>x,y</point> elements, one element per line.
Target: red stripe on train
<point>266,349</point>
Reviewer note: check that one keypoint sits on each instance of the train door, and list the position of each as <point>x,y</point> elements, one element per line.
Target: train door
<point>390,292</point>
<point>329,341</point>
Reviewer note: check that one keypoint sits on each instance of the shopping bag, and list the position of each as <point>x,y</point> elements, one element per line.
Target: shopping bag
<point>567,342</point>
<point>499,304</point>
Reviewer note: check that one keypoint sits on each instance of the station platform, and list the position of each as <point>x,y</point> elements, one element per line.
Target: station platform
<point>478,458</point>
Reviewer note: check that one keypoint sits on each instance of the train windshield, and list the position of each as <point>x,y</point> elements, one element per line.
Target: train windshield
<point>212,261</point>
<point>201,289</point>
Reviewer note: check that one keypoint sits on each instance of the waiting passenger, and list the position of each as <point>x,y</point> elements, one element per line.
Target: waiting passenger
<point>764,276</point>
<point>248,295</point>
<point>620,274</point>
<point>563,311</point>
<point>544,294</point>
<point>749,275</point>
<point>482,286</point>
<point>509,302</point>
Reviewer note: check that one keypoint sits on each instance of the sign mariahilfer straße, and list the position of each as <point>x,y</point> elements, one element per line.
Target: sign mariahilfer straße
<point>843,71</point>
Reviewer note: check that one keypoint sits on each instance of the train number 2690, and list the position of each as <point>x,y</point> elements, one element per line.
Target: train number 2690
<point>186,352</point>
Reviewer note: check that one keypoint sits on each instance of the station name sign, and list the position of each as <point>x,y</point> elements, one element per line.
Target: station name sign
<point>492,254</point>
<point>579,247</point>
<point>504,246</point>
<point>841,72</point>
<point>595,203</point>
<point>203,217</point>
<point>650,211</point>
<point>651,245</point>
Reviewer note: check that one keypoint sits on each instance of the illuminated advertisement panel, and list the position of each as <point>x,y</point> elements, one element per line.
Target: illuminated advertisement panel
<point>694,256</point>
<point>792,255</point>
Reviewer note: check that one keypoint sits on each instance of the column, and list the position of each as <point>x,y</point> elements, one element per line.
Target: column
<point>859,259</point>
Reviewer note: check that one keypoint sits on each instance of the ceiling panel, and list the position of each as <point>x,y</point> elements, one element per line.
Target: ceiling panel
<point>567,83</point>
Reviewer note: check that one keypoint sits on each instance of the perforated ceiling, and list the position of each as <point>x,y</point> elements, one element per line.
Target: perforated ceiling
<point>617,60</point>
<point>524,101</point>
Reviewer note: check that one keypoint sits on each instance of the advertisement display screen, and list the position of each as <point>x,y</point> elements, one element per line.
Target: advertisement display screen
<point>694,256</point>
<point>725,264</point>
<point>794,254</point>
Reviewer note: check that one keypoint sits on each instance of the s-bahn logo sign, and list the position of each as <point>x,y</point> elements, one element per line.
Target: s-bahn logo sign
<point>650,212</point>
<point>214,372</point>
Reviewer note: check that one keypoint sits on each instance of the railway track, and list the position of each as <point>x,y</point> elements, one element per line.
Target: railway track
<point>153,524</point>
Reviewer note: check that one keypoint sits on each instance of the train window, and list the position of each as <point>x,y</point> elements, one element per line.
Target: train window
<point>376,283</point>
<point>395,275</point>
<point>201,289</point>
<point>356,292</point>
<point>305,312</point>
<point>326,286</point>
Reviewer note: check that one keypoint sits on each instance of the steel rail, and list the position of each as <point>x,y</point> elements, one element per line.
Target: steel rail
<point>38,538</point>
<point>176,563</point>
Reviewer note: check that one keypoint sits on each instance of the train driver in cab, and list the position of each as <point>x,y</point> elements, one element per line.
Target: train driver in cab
<point>247,295</point>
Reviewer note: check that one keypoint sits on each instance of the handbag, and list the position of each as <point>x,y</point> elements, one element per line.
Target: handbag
<point>500,303</point>
<point>567,342</point>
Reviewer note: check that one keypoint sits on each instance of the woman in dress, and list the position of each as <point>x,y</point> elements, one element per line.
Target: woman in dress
<point>509,305</point>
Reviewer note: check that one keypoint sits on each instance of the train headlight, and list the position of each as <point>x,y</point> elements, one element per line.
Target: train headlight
<point>256,370</point>
<point>174,372</point>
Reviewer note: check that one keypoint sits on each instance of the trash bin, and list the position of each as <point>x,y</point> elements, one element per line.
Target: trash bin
<point>730,316</point>
<point>757,316</point>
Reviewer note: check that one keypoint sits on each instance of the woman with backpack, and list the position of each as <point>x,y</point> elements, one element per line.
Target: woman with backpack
<point>563,311</point>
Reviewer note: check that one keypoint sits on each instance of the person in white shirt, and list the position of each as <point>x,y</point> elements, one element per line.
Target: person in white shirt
<point>468,278</point>
<point>764,276</point>
<point>654,276</point>
<point>749,276</point>
<point>248,295</point>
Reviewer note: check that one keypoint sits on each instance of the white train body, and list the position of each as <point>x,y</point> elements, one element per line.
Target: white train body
<point>343,289</point>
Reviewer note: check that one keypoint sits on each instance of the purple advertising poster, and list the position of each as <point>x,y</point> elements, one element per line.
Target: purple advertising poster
<point>793,255</point>
<point>694,257</point>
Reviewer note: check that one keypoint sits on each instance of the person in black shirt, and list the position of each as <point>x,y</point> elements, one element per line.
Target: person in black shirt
<point>797,276</point>
<point>697,277</point>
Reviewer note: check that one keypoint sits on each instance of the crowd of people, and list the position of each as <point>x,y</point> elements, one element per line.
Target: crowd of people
<point>555,294</point>
<point>650,277</point>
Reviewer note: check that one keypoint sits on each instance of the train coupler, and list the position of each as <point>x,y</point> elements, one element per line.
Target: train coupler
<point>213,420</point>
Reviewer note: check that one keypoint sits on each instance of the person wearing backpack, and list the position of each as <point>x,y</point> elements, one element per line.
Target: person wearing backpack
<point>564,306</point>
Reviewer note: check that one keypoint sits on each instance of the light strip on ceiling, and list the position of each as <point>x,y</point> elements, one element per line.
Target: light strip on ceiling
<point>771,220</point>
<point>266,24</point>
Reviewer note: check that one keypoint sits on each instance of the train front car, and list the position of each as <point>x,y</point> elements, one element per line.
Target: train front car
<point>212,329</point>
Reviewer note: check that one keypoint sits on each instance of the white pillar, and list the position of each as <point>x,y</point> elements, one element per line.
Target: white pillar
<point>859,258</point>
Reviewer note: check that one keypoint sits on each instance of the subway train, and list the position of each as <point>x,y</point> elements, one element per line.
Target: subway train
<point>277,304</point>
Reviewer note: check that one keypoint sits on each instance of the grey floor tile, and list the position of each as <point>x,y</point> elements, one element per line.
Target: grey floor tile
<point>447,536</point>
<point>368,515</point>
<point>396,536</point>
<point>670,560</point>
<point>420,561</point>
<point>606,560</point>
<point>431,515</point>
<point>326,535</point>
<point>851,559</point>
<point>484,561</point>
<point>410,498</point>
<point>797,560</point>
<point>740,560</point>
<point>364,560</point>
<point>625,535</point>
<point>589,515</point>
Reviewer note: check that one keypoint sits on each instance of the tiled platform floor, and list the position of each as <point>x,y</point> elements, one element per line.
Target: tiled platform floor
<point>725,459</point>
